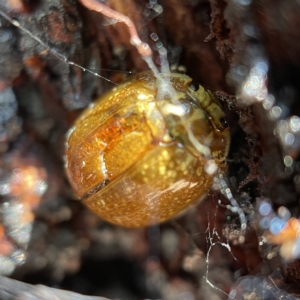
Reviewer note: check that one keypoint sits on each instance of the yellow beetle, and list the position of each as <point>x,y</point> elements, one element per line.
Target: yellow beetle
<point>131,160</point>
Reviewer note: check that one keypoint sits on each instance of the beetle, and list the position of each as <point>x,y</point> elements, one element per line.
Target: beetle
<point>130,158</point>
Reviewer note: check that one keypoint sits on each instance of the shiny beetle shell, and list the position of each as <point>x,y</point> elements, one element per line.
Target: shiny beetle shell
<point>133,164</point>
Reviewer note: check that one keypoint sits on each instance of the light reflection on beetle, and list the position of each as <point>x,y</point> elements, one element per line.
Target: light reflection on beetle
<point>133,164</point>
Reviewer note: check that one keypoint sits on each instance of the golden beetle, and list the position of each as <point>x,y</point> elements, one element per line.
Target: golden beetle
<point>133,163</point>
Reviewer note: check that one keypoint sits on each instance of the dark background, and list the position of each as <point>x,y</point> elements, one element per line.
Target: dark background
<point>215,42</point>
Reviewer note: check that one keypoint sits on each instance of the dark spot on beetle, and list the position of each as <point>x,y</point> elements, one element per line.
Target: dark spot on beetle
<point>96,188</point>
<point>193,85</point>
<point>224,122</point>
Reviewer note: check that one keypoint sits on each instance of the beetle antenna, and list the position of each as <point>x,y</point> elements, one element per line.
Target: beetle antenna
<point>143,48</point>
<point>234,207</point>
<point>164,60</point>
